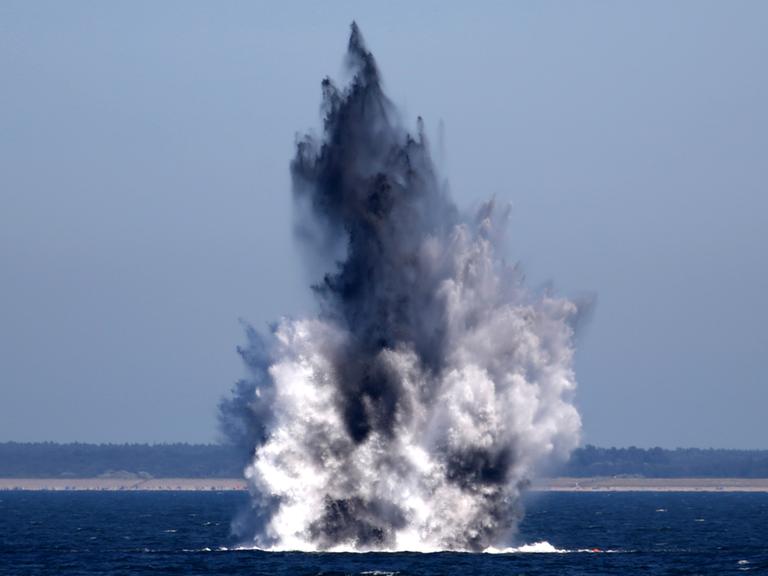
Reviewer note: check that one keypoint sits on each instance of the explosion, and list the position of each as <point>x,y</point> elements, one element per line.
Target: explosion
<point>412,410</point>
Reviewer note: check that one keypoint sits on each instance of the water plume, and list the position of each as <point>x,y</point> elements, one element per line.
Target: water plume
<point>411,411</point>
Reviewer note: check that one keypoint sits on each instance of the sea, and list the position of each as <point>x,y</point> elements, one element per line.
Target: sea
<point>563,533</point>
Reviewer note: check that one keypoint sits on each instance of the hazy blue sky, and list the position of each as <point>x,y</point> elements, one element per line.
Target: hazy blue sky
<point>145,203</point>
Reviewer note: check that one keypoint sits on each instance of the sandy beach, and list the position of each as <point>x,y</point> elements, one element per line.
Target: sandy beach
<point>620,484</point>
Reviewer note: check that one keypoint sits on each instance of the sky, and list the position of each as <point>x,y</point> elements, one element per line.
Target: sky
<point>145,204</point>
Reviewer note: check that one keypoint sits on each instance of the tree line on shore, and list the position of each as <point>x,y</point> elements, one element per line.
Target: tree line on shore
<point>81,460</point>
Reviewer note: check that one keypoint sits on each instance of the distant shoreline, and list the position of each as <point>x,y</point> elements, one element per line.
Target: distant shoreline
<point>575,485</point>
<point>639,484</point>
<point>123,484</point>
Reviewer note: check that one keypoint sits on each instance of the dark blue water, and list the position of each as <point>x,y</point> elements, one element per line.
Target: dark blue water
<point>181,533</point>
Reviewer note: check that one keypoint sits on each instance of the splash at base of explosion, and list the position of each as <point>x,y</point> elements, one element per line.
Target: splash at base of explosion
<point>542,547</point>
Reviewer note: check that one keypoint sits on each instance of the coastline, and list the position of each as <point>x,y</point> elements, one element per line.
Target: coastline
<point>123,484</point>
<point>639,484</point>
<point>562,484</point>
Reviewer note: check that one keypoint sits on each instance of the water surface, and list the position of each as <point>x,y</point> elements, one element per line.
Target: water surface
<point>188,533</point>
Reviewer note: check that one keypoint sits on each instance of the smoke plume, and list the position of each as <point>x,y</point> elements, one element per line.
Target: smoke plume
<point>411,411</point>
